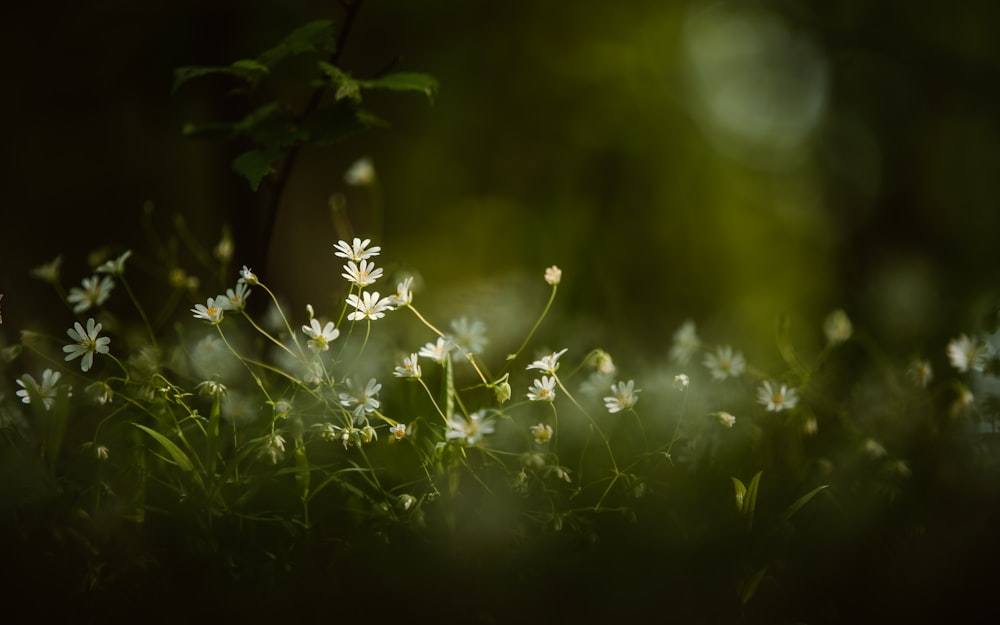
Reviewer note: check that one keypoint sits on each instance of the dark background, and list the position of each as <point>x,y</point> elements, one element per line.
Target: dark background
<point>724,162</point>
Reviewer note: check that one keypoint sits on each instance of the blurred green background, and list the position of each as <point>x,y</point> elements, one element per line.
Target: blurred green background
<point>726,162</point>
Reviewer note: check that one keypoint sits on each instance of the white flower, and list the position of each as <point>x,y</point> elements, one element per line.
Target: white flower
<point>471,336</point>
<point>47,389</point>
<point>49,272</point>
<point>274,447</point>
<point>548,364</point>
<point>874,449</point>
<point>553,275</point>
<point>542,433</point>
<point>404,294</point>
<point>235,300</point>
<point>363,274</point>
<point>920,372</point>
<point>360,400</point>
<point>686,343</point>
<point>725,363</point>
<point>603,362</point>
<point>358,251</point>
<point>623,398</point>
<point>368,306</point>
<point>361,173</point>
<point>681,381</point>
<point>725,418</point>
<point>965,353</point>
<point>94,293</point>
<point>436,351</point>
<point>472,430</point>
<point>211,311</point>
<point>212,387</point>
<point>115,267</point>
<point>398,431</point>
<point>409,369</point>
<point>87,343</point>
<point>543,390</point>
<point>776,398</point>
<point>320,336</point>
<point>248,276</point>
<point>837,327</point>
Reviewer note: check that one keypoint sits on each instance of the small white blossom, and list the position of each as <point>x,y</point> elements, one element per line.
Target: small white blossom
<point>47,389</point>
<point>776,397</point>
<point>398,431</point>
<point>623,397</point>
<point>235,300</point>
<point>361,400</point>
<point>49,272</point>
<point>404,294</point>
<point>115,267</point>
<point>725,419</point>
<point>87,343</point>
<point>603,362</point>
<point>320,336</point>
<point>361,274</point>
<point>368,306</point>
<point>553,275</point>
<point>357,251</point>
<point>437,351</point>
<point>212,311</point>
<point>725,363</point>
<point>874,449</point>
<point>361,173</point>
<point>681,381</point>
<point>95,292</point>
<point>543,390</point>
<point>248,276</point>
<point>548,364</point>
<point>920,372</point>
<point>274,448</point>
<point>542,433</point>
<point>967,353</point>
<point>686,343</point>
<point>409,369</point>
<point>472,430</point>
<point>470,335</point>
<point>837,327</point>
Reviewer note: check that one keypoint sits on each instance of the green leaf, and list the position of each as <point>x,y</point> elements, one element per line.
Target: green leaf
<point>801,501</point>
<point>255,164</point>
<point>175,452</point>
<point>750,501</point>
<point>749,588</point>
<point>404,81</point>
<point>317,36</point>
<point>246,70</point>
<point>740,493</point>
<point>335,123</point>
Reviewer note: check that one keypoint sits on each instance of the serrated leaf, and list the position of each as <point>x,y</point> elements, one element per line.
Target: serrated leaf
<point>176,453</point>
<point>318,36</point>
<point>335,123</point>
<point>404,81</point>
<point>255,164</point>
<point>247,70</point>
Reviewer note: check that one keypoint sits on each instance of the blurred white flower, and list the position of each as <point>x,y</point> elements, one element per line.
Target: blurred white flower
<point>623,398</point>
<point>920,372</point>
<point>437,351</point>
<point>967,353</point>
<point>553,275</point>
<point>469,335</point>
<point>681,381</point>
<point>837,327</point>
<point>114,267</point>
<point>361,173</point>
<point>686,343</point>
<point>95,292</point>
<point>776,397</point>
<point>47,389</point>
<point>725,418</point>
<point>472,430</point>
<point>542,433</point>
<point>725,363</point>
